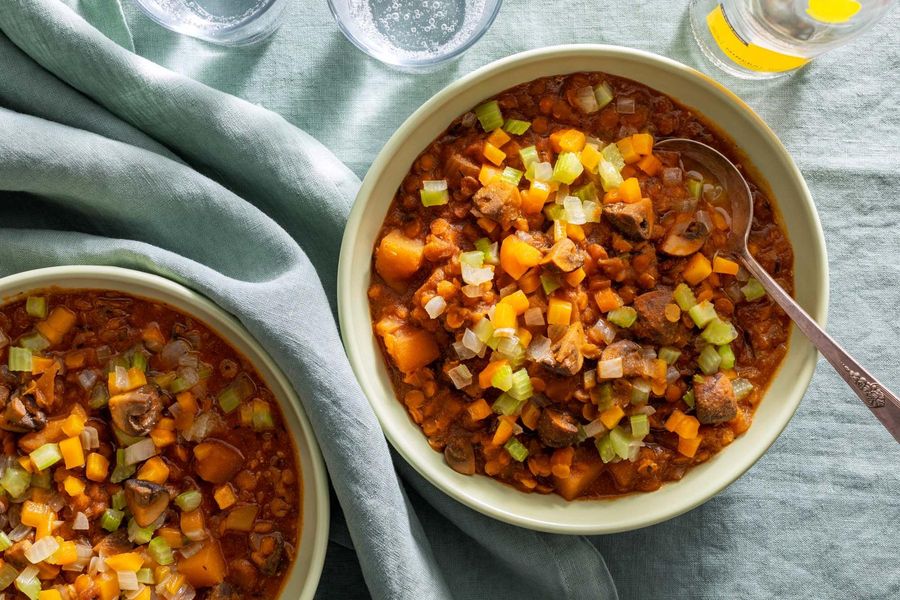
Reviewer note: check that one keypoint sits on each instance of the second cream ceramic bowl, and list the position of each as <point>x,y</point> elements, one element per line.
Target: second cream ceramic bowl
<point>731,117</point>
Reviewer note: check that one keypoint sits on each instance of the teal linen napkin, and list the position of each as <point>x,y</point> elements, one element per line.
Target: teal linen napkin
<point>107,158</point>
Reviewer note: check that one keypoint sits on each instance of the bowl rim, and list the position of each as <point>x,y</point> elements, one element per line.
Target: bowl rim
<point>817,307</point>
<point>229,328</point>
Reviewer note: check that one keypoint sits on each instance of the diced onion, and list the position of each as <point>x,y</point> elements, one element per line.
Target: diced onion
<point>87,378</point>
<point>140,451</point>
<point>508,345</point>
<point>539,349</point>
<point>435,307</point>
<point>610,369</point>
<point>606,331</point>
<point>438,185</point>
<point>42,549</point>
<point>534,317</point>
<point>204,424</point>
<point>121,378</point>
<point>510,289</point>
<point>586,100</point>
<point>645,409</point>
<point>477,275</point>
<point>543,171</point>
<point>19,532</point>
<point>461,376</point>
<point>574,211</point>
<point>84,552</point>
<point>127,580</point>
<point>472,291</point>
<point>625,105</point>
<point>97,565</point>
<point>81,522</point>
<point>595,428</point>
<point>191,549</point>
<point>505,332</point>
<point>462,352</point>
<point>90,439</point>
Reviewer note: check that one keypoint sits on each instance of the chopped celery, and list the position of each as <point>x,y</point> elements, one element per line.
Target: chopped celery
<point>719,332</point>
<point>31,587</point>
<point>118,500</point>
<point>506,405</point>
<point>99,396</point>
<point>574,211</point>
<point>684,297</point>
<point>613,156</point>
<point>605,448</point>
<point>434,193</point>
<point>727,355</point>
<point>610,177</point>
<point>592,211</point>
<point>36,306</point>
<point>483,330</point>
<point>640,391</point>
<point>742,388</point>
<point>550,283</point>
<point>510,175</point>
<point>619,439</point>
<point>568,167</point>
<point>15,480</point>
<point>689,397</point>
<point>516,127</point>
<point>703,313</point>
<point>753,290</point>
<point>669,354</point>
<point>624,316</point>
<point>46,456</point>
<point>695,187</point>
<point>123,438</point>
<point>529,156</point>
<point>139,361</point>
<point>5,542</point>
<point>502,378</point>
<point>709,360</point>
<point>189,500</point>
<point>604,95</point>
<point>145,576</point>
<point>41,480</point>
<point>602,396</point>
<point>34,341</point>
<point>122,471</point>
<point>8,574</point>
<point>263,420</point>
<point>554,212</point>
<point>489,115</point>
<point>159,551</point>
<point>586,192</point>
<point>19,359</point>
<point>521,388</point>
<point>111,519</point>
<point>229,399</point>
<point>139,535</point>
<point>489,250</point>
<point>640,425</point>
<point>516,449</point>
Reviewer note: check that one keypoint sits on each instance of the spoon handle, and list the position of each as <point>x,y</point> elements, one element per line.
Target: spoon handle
<point>883,403</point>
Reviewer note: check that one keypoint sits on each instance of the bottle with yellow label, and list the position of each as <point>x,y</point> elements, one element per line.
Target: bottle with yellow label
<point>762,39</point>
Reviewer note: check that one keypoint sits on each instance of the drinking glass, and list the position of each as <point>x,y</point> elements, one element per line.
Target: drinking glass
<point>762,39</point>
<point>225,22</point>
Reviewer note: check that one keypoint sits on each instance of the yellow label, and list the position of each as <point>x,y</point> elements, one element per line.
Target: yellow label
<point>833,11</point>
<point>750,56</point>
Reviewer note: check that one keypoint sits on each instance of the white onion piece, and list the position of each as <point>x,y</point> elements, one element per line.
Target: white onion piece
<point>510,289</point>
<point>127,580</point>
<point>84,552</point>
<point>42,549</point>
<point>574,211</point>
<point>121,375</point>
<point>173,351</point>
<point>472,291</point>
<point>81,522</point>
<point>534,317</point>
<point>672,375</point>
<point>539,349</point>
<point>90,439</point>
<point>435,307</point>
<point>435,185</point>
<point>19,532</point>
<point>462,352</point>
<point>204,424</point>
<point>477,275</point>
<point>191,549</point>
<point>470,340</point>
<point>625,105</point>
<point>505,332</point>
<point>87,378</point>
<point>590,379</point>
<point>508,345</point>
<point>140,451</point>
<point>27,575</point>
<point>543,171</point>
<point>97,565</point>
<point>595,428</point>
<point>605,330</point>
<point>460,376</point>
<point>646,409</point>
<point>610,369</point>
<point>586,100</point>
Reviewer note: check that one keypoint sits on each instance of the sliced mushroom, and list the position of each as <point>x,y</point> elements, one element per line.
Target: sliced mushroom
<point>146,500</point>
<point>499,201</point>
<point>21,414</point>
<point>268,551</point>
<point>687,234</point>
<point>224,591</point>
<point>564,256</point>
<point>652,323</point>
<point>557,428</point>
<point>460,456</point>
<point>633,220</point>
<point>566,357</point>
<point>114,543</point>
<point>714,398</point>
<point>137,411</point>
<point>217,461</point>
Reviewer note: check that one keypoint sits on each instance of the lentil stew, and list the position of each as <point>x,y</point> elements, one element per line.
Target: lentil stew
<point>144,457</point>
<point>553,296</point>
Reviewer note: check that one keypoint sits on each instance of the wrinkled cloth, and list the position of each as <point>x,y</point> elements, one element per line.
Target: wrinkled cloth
<point>108,158</point>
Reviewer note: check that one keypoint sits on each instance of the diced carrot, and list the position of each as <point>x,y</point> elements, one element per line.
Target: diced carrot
<point>575,232</point>
<point>626,147</point>
<point>172,536</point>
<point>517,300</point>
<point>575,277</point>
<point>155,470</point>
<point>567,140</point>
<point>504,316</point>
<point>674,419</point>
<point>630,190</point>
<point>649,165</point>
<point>487,224</point>
<point>33,513</point>
<point>535,197</point>
<point>479,409</point>
<point>487,374</point>
<point>153,335</point>
<point>66,554</point>
<point>559,312</point>
<point>411,348</point>
<point>607,299</point>
<point>76,359</point>
<point>192,524</point>
<point>719,221</point>
<point>740,423</point>
<point>72,452</point>
<point>643,143</point>
<point>127,561</point>
<point>73,486</point>
<point>498,138</point>
<point>224,496</point>
<point>629,171</point>
<point>517,256</point>
<point>40,364</point>
<point>97,467</point>
<point>688,427</point>
<point>73,425</point>
<point>725,266</point>
<point>611,416</point>
<point>49,595</point>
<point>163,437</point>
<point>136,378</point>
<point>524,336</point>
<point>494,154</point>
<point>590,157</point>
<point>688,446</point>
<point>530,281</point>
<point>697,269</point>
<point>488,174</point>
<point>57,324</point>
<point>531,412</point>
<point>504,431</point>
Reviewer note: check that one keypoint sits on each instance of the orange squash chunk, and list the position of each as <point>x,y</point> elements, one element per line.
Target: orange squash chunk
<point>411,348</point>
<point>205,568</point>
<point>398,257</point>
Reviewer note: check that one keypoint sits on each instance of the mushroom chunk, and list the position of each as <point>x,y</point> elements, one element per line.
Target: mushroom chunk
<point>460,456</point>
<point>146,500</point>
<point>137,411</point>
<point>499,201</point>
<point>224,591</point>
<point>267,552</point>
<point>217,461</point>
<point>633,363</point>
<point>687,234</point>
<point>564,256</point>
<point>565,353</point>
<point>714,399</point>
<point>114,543</point>
<point>652,323</point>
<point>633,220</point>
<point>557,428</point>
<point>21,414</point>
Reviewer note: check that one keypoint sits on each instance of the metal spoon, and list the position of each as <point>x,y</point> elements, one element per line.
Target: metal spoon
<point>883,403</point>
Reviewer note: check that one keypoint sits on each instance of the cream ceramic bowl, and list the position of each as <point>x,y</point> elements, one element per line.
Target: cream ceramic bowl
<point>304,575</point>
<point>550,512</point>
